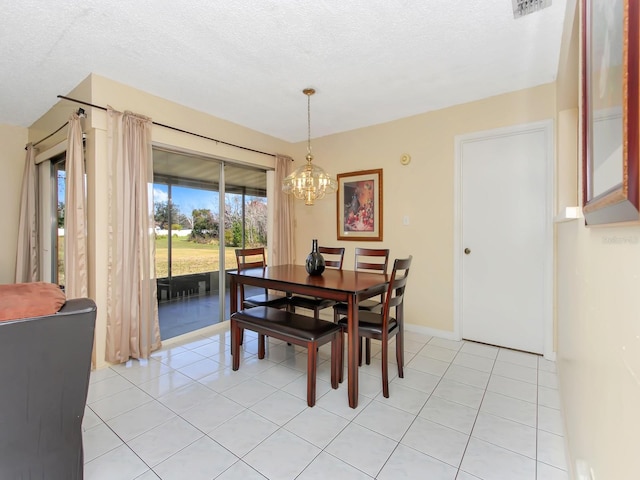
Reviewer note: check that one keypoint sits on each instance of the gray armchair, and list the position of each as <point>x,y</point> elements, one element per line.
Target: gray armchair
<point>44,376</point>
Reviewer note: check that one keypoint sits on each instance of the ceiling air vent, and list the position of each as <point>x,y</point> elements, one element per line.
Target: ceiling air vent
<point>525,7</point>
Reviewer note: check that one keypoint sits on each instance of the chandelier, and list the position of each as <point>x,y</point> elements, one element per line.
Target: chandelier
<point>309,182</point>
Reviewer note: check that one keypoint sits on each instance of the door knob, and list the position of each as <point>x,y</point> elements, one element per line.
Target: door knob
<point>467,251</point>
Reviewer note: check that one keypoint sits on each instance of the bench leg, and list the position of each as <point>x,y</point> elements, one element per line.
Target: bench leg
<point>260,346</point>
<point>312,364</point>
<point>236,336</point>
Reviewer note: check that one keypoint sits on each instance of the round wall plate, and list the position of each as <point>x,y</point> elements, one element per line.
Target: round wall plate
<point>405,159</point>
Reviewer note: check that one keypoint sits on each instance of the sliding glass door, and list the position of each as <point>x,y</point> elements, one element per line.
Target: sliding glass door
<point>203,210</point>
<point>59,175</point>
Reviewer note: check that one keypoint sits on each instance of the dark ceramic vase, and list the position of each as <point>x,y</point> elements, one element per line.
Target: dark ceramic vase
<point>315,260</point>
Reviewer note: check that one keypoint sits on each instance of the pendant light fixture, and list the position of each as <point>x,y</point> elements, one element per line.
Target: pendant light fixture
<point>309,182</point>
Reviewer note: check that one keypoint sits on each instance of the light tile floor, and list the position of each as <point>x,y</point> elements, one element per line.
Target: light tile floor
<point>464,411</point>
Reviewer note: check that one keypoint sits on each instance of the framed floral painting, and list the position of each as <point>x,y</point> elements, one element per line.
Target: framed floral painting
<point>360,205</point>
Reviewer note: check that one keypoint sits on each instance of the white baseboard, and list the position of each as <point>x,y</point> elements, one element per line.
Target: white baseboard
<point>433,332</point>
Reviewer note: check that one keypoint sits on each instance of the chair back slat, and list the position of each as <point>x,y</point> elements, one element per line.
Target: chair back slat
<point>372,259</point>
<point>250,258</point>
<point>336,259</point>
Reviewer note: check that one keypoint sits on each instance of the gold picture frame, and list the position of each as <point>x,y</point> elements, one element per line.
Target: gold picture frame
<point>359,205</point>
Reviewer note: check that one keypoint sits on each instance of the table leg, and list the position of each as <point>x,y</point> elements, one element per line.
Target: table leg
<point>233,308</point>
<point>353,341</point>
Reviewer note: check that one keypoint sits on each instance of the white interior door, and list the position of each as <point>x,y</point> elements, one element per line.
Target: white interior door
<point>504,237</point>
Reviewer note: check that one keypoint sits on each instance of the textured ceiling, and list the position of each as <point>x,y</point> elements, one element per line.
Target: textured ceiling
<point>247,61</point>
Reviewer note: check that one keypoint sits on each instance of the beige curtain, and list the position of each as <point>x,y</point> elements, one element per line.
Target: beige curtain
<point>27,261</point>
<point>132,309</point>
<point>75,221</point>
<point>282,239</point>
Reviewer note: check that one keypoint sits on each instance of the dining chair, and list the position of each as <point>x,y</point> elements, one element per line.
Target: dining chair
<point>255,258</point>
<point>373,260</point>
<point>333,258</point>
<point>381,325</point>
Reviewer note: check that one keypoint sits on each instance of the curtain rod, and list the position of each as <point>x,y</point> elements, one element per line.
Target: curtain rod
<point>50,135</point>
<point>80,112</point>
<point>165,126</point>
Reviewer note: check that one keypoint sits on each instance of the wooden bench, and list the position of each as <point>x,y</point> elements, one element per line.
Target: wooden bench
<point>292,328</point>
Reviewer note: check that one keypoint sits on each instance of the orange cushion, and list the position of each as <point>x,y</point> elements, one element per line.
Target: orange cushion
<point>25,300</point>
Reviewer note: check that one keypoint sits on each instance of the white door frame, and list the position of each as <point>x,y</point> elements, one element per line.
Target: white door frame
<point>546,126</point>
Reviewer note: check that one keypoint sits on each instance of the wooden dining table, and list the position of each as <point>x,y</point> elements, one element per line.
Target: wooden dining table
<point>346,286</point>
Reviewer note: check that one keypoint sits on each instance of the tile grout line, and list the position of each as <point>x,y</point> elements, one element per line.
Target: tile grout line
<point>464,452</point>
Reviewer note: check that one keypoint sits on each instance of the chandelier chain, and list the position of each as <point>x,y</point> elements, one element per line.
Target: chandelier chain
<point>309,123</point>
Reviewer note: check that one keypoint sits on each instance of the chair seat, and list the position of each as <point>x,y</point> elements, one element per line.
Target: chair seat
<point>369,322</point>
<point>275,322</point>
<point>266,300</point>
<point>311,303</point>
<point>365,305</point>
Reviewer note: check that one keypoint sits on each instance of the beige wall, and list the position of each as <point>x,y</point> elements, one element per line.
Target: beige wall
<point>422,190</point>
<point>599,345</point>
<point>12,157</point>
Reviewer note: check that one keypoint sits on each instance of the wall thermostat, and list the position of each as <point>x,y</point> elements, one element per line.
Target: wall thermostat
<point>405,159</point>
